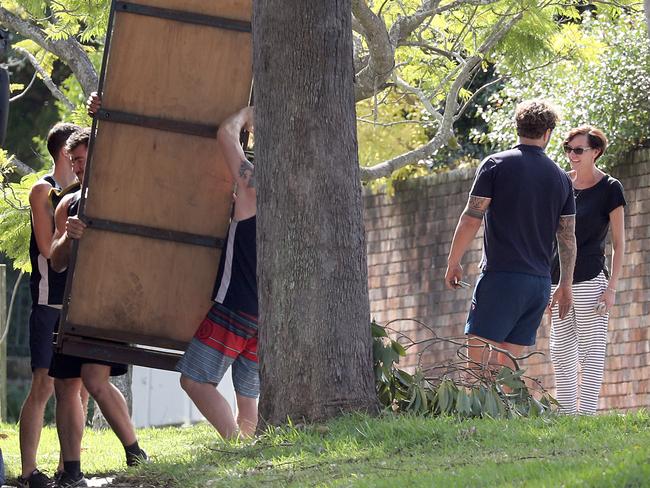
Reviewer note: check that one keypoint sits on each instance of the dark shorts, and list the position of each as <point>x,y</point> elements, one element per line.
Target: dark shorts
<point>42,323</point>
<point>508,307</point>
<point>224,338</point>
<point>64,367</point>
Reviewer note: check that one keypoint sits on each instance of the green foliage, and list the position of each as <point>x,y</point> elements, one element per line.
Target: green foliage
<point>386,130</point>
<point>430,59</point>
<point>16,394</point>
<point>504,395</point>
<point>605,83</point>
<point>15,226</point>
<point>64,18</point>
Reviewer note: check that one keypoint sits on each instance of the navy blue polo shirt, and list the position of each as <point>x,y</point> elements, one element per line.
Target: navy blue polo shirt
<point>529,193</point>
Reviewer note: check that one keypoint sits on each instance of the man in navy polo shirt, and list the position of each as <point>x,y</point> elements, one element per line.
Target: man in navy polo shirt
<point>525,200</point>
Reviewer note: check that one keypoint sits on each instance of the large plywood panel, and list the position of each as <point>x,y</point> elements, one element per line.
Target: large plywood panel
<point>176,71</point>
<point>170,81</point>
<point>134,284</point>
<point>163,180</point>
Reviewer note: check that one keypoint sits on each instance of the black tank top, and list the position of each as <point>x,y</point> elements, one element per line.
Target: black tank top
<point>73,207</point>
<point>46,285</point>
<point>236,284</point>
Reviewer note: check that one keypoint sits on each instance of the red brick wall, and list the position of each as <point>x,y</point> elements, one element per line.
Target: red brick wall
<point>409,235</point>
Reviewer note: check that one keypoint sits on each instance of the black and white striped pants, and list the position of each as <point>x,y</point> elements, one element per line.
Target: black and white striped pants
<point>578,346</point>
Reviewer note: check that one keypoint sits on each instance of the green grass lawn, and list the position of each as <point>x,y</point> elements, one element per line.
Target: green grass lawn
<point>355,450</point>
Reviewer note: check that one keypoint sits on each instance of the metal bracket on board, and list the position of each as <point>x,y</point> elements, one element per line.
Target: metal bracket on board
<point>178,126</point>
<point>180,16</point>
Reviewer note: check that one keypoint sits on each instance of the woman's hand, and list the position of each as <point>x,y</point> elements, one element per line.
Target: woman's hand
<point>608,298</point>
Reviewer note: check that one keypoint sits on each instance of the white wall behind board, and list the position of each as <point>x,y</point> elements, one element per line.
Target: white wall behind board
<point>158,398</point>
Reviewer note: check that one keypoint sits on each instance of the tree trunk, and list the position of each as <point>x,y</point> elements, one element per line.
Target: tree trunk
<point>646,7</point>
<point>315,342</point>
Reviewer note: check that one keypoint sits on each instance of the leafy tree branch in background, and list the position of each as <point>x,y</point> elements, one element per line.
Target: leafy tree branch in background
<point>428,50</point>
<point>416,63</point>
<point>46,78</point>
<point>61,43</point>
<point>606,85</point>
<point>14,214</point>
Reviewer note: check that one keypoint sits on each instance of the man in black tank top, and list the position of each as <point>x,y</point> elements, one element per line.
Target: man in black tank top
<point>228,335</point>
<point>47,296</point>
<point>71,371</point>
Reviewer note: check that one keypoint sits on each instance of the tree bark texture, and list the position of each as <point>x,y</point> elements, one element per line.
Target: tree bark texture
<point>315,342</point>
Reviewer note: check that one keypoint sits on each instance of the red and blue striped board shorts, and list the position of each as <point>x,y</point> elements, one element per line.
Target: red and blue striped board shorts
<point>231,333</point>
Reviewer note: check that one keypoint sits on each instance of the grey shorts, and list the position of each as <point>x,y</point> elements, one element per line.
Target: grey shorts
<point>205,364</point>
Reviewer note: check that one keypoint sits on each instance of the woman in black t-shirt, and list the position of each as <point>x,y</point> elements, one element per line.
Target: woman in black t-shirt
<point>579,341</point>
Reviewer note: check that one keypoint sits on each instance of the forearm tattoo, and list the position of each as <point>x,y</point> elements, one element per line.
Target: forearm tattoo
<point>247,173</point>
<point>476,207</point>
<point>566,245</point>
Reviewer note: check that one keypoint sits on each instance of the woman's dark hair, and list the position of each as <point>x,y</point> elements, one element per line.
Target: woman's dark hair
<point>596,137</point>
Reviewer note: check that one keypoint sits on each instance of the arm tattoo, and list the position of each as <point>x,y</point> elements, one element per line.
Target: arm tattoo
<point>476,207</point>
<point>566,245</point>
<point>247,173</point>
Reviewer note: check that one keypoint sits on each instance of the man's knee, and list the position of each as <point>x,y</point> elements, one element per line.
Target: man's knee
<point>42,386</point>
<point>96,379</point>
<point>189,385</point>
<point>67,390</point>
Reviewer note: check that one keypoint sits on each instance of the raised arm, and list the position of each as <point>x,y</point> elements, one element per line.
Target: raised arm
<point>243,171</point>
<point>468,225</point>
<point>566,244</point>
<point>228,139</point>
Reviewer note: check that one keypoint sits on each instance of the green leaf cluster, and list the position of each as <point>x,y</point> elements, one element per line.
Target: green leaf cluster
<point>60,19</point>
<point>504,396</point>
<point>604,82</point>
<point>15,228</point>
<point>429,60</point>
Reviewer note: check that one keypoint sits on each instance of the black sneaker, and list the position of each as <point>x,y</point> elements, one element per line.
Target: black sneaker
<point>36,480</point>
<point>137,459</point>
<point>66,480</point>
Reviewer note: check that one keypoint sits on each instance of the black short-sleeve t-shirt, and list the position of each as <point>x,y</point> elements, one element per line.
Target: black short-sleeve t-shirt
<point>528,193</point>
<point>593,206</point>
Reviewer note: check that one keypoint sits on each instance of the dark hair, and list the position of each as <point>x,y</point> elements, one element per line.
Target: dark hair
<point>81,136</point>
<point>58,135</point>
<point>534,118</point>
<point>596,137</point>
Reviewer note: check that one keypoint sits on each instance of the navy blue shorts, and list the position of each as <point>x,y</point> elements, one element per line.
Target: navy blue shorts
<point>508,307</point>
<point>42,323</point>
